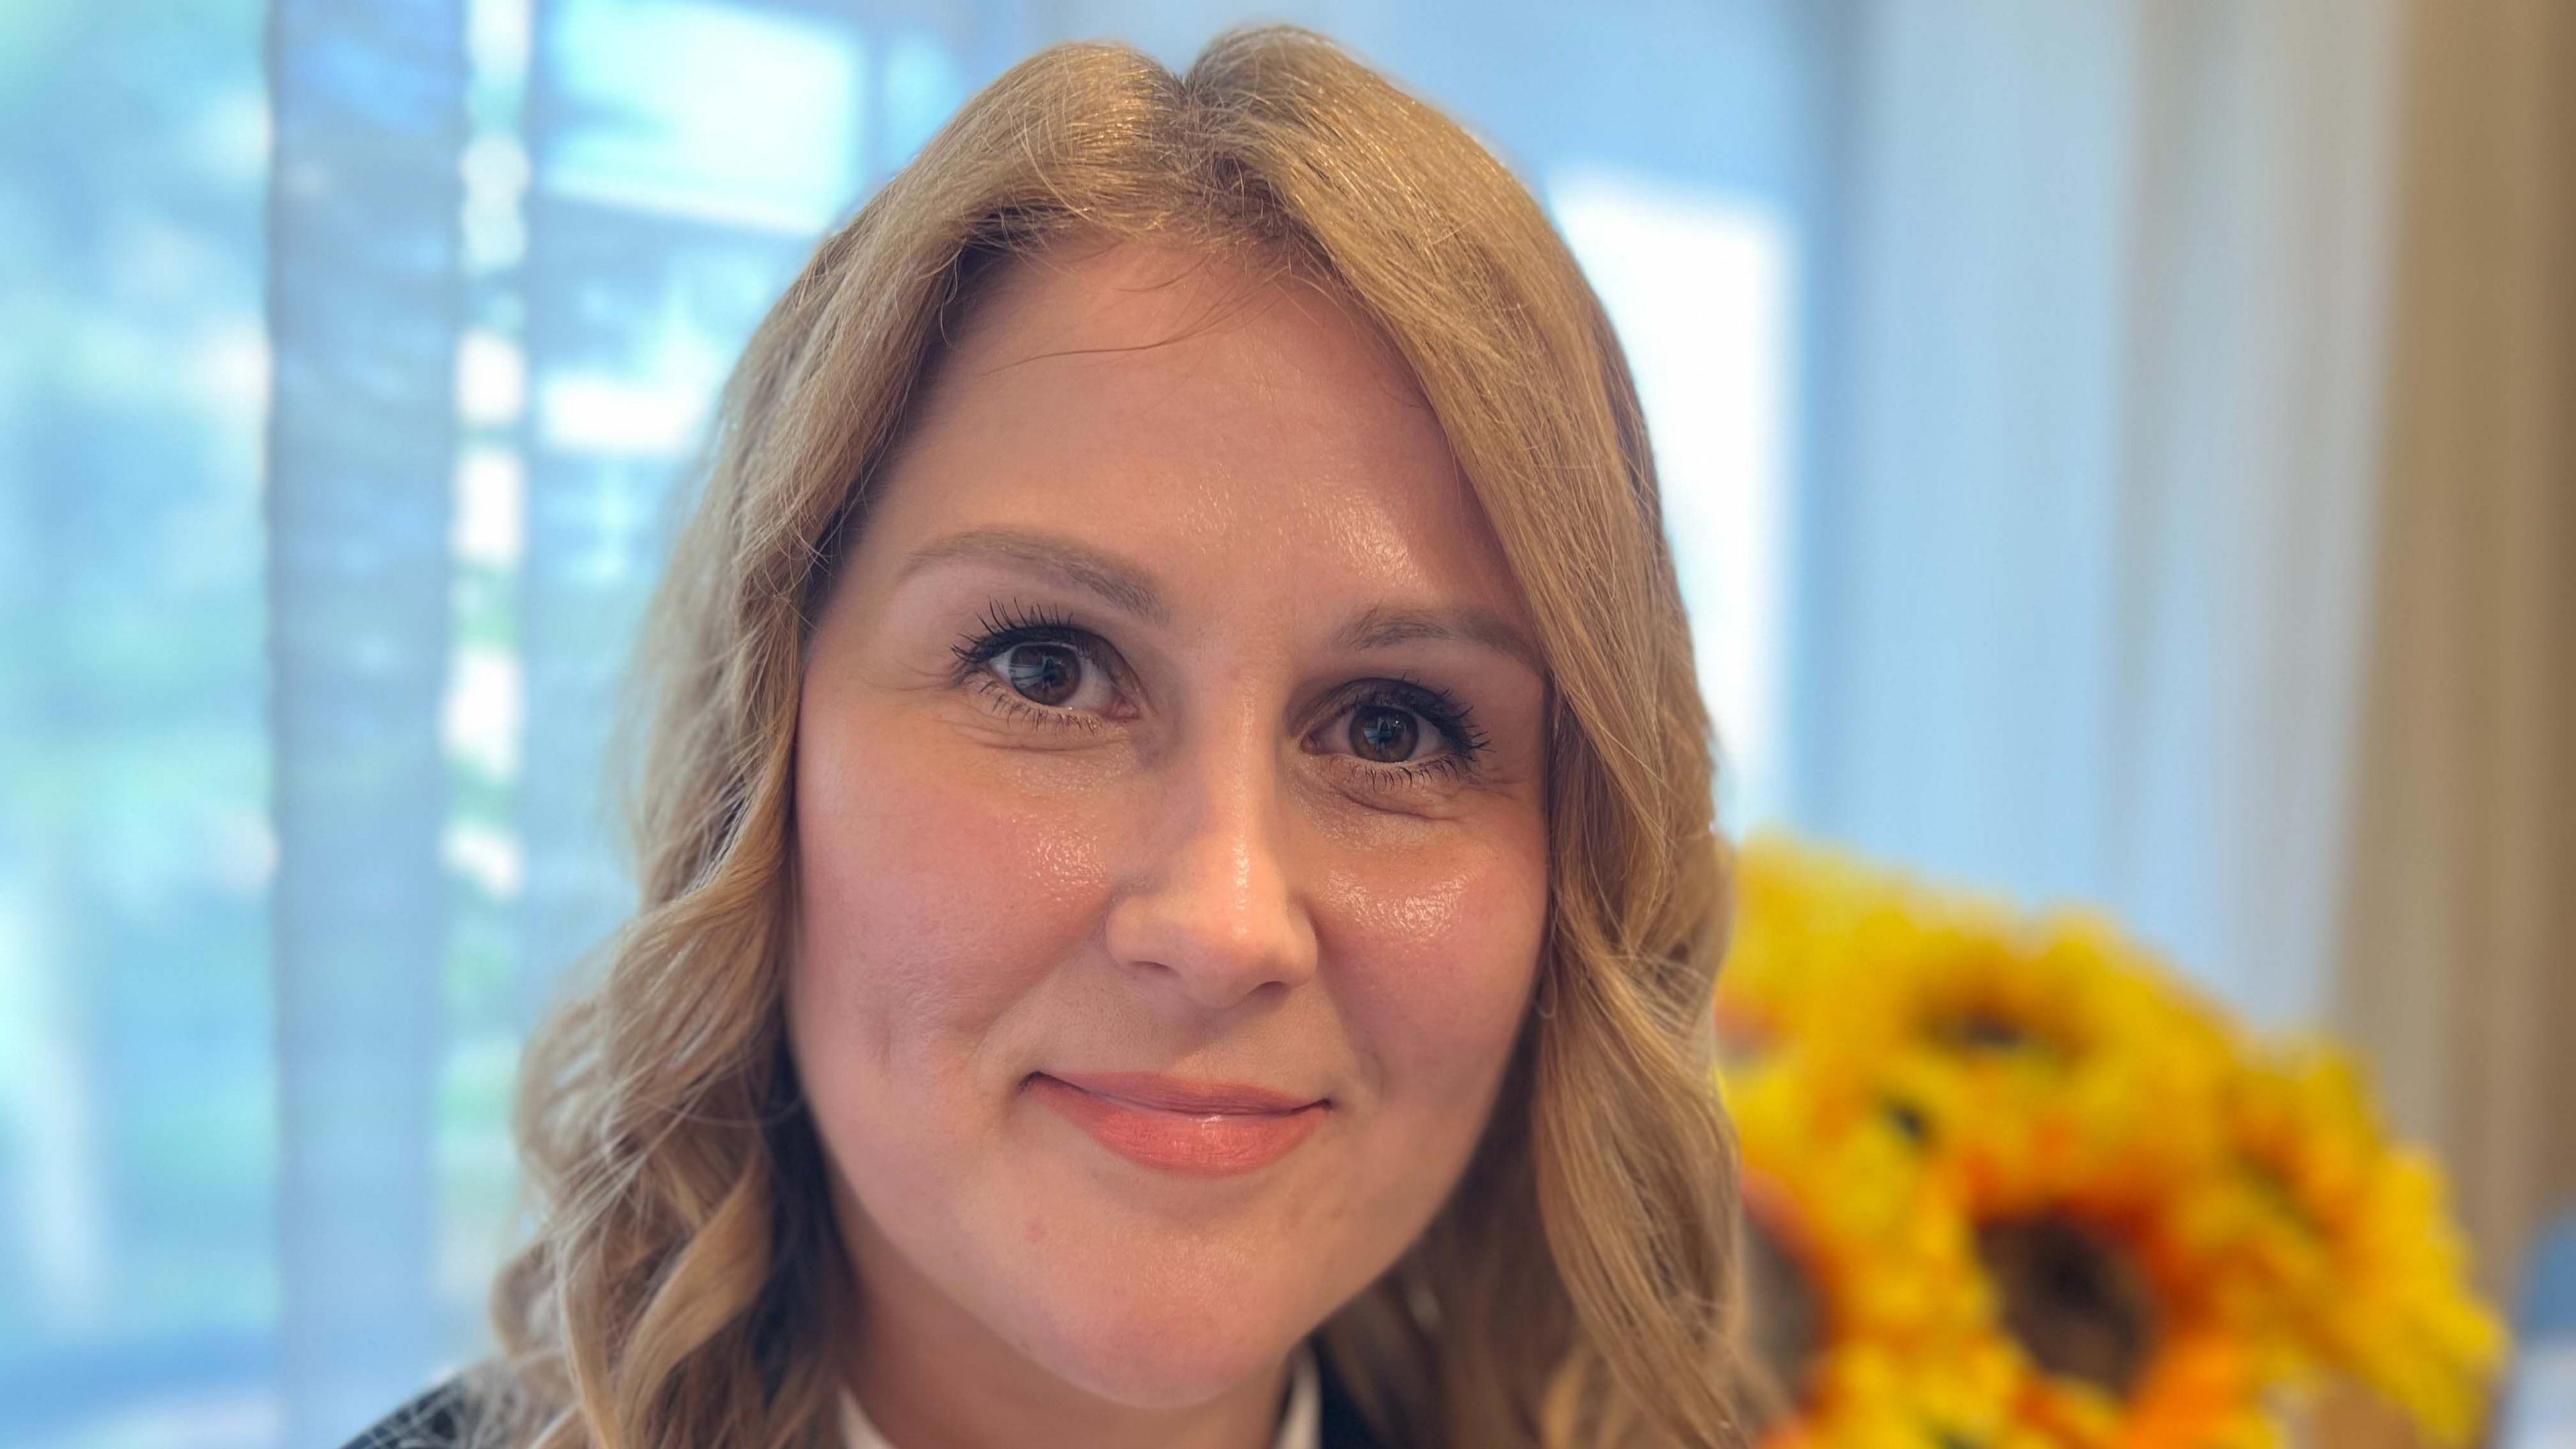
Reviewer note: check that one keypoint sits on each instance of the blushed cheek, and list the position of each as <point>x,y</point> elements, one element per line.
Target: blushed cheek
<point>931,899</point>
<point>1439,951</point>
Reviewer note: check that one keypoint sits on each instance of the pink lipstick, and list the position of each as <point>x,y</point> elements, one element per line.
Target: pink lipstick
<point>1200,1129</point>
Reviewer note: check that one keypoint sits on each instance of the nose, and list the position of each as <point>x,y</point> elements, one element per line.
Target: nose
<point>1215,915</point>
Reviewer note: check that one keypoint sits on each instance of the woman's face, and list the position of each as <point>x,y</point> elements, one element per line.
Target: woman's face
<point>1170,831</point>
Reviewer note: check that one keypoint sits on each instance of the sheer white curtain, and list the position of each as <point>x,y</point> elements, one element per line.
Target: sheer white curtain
<point>2085,564</point>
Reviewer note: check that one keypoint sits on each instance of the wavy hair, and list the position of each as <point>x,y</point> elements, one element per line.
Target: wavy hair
<point>1577,1290</point>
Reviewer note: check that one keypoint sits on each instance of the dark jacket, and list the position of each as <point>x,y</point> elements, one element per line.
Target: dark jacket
<point>441,1418</point>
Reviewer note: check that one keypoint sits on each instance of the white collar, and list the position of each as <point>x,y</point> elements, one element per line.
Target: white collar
<point>1302,1427</point>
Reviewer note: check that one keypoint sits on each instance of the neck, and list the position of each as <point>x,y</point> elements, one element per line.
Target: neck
<point>932,1376</point>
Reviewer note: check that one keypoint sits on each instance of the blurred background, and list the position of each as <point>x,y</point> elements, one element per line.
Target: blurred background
<point>2118,450</point>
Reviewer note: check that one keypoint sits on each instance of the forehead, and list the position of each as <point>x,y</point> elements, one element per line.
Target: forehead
<point>1174,315</point>
<point>1207,419</point>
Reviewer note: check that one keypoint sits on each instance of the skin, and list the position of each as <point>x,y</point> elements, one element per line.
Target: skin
<point>1189,853</point>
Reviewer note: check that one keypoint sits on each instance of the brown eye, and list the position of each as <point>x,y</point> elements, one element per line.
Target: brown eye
<point>1384,735</point>
<point>1045,674</point>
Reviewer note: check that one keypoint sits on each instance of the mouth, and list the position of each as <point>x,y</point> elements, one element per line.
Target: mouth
<point>1195,1129</point>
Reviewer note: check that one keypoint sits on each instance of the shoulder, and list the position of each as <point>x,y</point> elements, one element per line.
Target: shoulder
<point>443,1418</point>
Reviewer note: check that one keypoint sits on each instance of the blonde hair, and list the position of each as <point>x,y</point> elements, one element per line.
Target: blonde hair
<point>1577,1289</point>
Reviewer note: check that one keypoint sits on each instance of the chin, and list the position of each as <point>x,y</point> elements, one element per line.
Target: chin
<point>1160,1340</point>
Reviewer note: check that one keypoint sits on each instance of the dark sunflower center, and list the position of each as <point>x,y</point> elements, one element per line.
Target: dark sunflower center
<point>2080,1306</point>
<point>1981,1031</point>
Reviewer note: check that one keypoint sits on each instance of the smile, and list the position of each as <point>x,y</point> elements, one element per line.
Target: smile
<point>1195,1129</point>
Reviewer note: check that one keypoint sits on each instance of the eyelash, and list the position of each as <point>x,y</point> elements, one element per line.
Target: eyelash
<point>1002,627</point>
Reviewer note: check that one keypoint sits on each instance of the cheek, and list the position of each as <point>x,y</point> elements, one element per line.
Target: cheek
<point>927,904</point>
<point>1444,949</point>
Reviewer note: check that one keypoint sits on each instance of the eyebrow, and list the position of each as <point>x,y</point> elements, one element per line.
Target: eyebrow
<point>1131,590</point>
<point>1121,585</point>
<point>1384,627</point>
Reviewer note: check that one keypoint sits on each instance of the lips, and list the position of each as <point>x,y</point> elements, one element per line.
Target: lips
<point>1197,1129</point>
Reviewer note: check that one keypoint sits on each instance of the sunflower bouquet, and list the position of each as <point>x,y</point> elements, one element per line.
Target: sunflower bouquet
<point>2009,1185</point>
